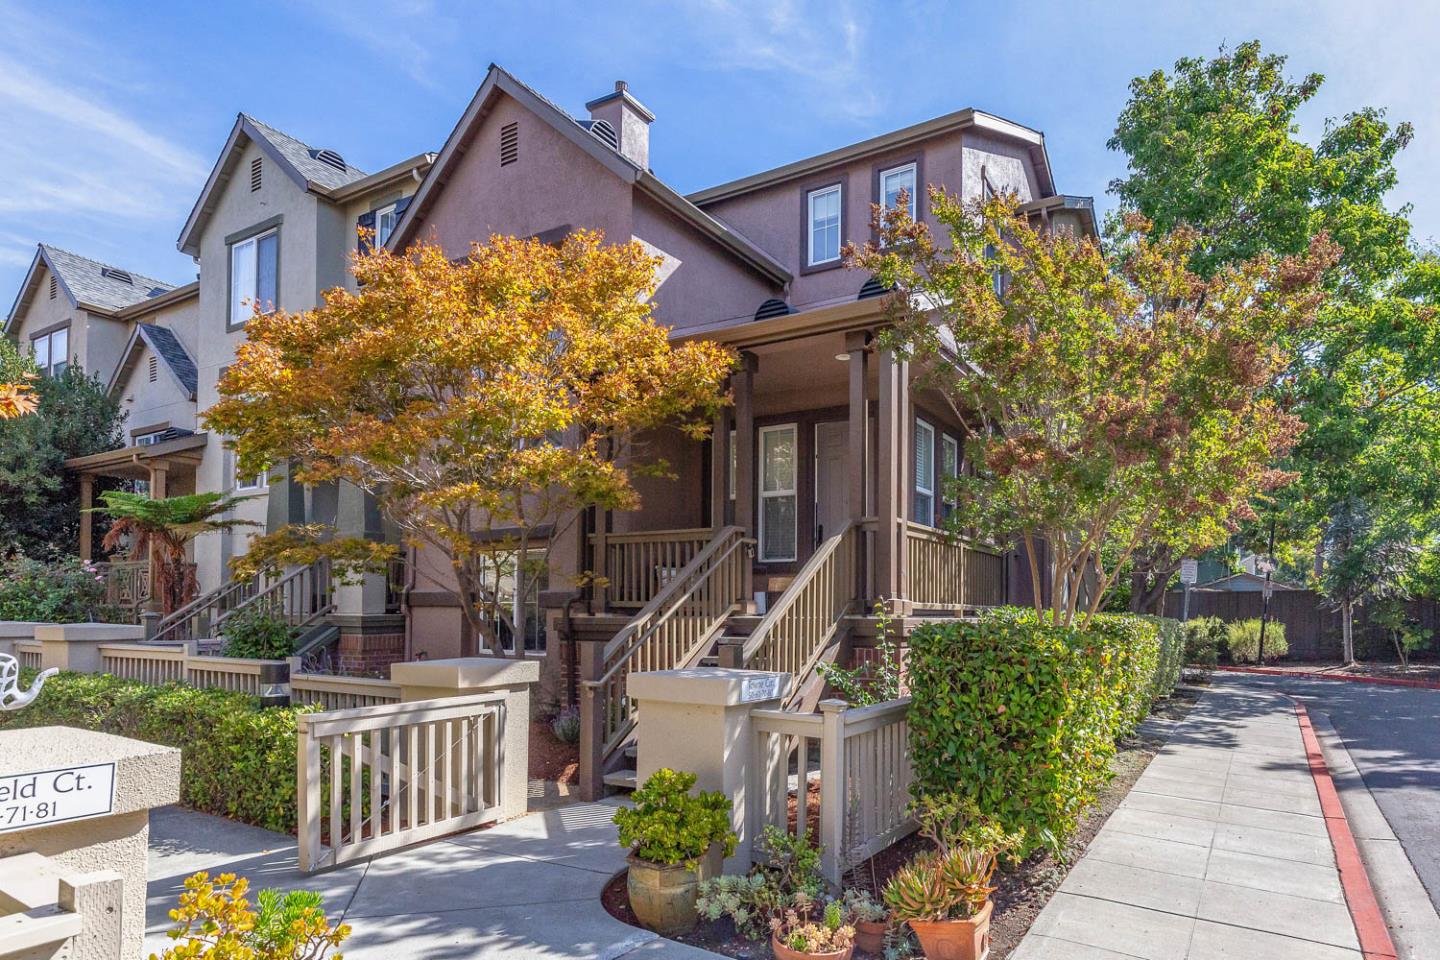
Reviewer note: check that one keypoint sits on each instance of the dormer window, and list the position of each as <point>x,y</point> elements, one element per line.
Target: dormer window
<point>823,216</point>
<point>385,220</point>
<point>895,180</point>
<point>51,351</point>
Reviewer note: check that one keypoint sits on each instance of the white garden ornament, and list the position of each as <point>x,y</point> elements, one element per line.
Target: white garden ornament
<point>11,696</point>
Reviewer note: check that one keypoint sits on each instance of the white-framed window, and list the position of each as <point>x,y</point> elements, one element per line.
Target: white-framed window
<point>145,439</point>
<point>529,617</point>
<point>823,216</point>
<point>51,352</point>
<point>385,219</point>
<point>924,473</point>
<point>779,497</point>
<point>949,470</point>
<point>253,482</point>
<point>894,180</point>
<point>254,275</point>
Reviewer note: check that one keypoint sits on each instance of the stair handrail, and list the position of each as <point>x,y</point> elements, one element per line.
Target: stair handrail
<point>320,569</point>
<point>844,540</point>
<point>172,622</point>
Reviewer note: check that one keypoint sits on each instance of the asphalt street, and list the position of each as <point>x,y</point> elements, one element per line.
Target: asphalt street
<point>1393,735</point>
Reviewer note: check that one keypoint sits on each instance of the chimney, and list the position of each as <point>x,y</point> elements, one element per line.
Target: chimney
<point>630,120</point>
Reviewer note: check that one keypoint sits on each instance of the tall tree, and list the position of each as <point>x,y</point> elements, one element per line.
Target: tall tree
<point>17,388</point>
<point>1215,145</point>
<point>71,416</point>
<point>484,402</point>
<point>1109,402</point>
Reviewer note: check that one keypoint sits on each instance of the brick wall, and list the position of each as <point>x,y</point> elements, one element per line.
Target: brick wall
<point>369,653</point>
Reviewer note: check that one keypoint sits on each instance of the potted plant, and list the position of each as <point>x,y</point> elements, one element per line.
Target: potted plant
<point>870,918</point>
<point>669,832</point>
<point>798,935</point>
<point>944,893</point>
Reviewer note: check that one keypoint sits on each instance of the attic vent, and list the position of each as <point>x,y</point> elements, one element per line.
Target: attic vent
<point>156,291</point>
<point>509,144</point>
<point>115,274</point>
<point>329,157</point>
<point>872,288</point>
<point>154,372</point>
<point>772,308</point>
<point>255,167</point>
<point>602,131</point>
<point>53,287</point>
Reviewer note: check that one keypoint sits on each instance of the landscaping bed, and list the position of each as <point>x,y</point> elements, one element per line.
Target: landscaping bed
<point>550,759</point>
<point>1023,889</point>
<point>1427,670</point>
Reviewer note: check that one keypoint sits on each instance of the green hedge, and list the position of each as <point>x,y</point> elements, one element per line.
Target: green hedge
<point>1023,717</point>
<point>237,760</point>
<point>1171,659</point>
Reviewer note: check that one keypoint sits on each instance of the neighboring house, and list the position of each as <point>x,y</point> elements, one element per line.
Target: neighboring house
<point>1245,582</point>
<point>828,458</point>
<point>71,309</point>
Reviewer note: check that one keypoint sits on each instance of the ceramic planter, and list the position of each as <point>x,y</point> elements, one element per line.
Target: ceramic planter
<point>956,939</point>
<point>663,896</point>
<point>783,952</point>
<point>870,936</point>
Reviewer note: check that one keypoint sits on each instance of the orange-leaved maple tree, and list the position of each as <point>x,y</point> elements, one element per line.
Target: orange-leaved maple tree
<point>484,402</point>
<point>1112,400</point>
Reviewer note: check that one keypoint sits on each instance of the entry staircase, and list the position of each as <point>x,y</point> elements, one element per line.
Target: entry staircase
<point>700,611</point>
<point>302,596</point>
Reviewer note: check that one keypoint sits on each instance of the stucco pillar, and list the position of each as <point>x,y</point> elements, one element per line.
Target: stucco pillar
<point>87,523</point>
<point>698,721</point>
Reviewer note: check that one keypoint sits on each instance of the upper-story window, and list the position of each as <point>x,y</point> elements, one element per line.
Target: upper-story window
<point>254,274</point>
<point>949,472</point>
<point>51,351</point>
<point>924,473</point>
<point>823,217</point>
<point>385,219</point>
<point>893,181</point>
<point>146,439</point>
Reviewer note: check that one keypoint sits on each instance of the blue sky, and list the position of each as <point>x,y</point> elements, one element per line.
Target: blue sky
<point>114,112</point>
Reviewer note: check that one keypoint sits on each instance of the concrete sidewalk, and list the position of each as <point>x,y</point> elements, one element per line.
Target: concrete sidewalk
<point>1219,851</point>
<point>526,888</point>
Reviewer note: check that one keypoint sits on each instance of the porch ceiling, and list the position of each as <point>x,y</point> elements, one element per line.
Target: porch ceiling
<point>804,374</point>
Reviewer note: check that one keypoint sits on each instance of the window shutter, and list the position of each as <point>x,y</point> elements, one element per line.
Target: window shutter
<point>365,221</point>
<point>402,205</point>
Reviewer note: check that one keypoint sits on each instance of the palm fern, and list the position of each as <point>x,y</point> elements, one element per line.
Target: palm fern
<point>163,529</point>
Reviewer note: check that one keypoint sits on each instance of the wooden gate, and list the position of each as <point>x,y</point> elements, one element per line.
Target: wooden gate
<point>372,779</point>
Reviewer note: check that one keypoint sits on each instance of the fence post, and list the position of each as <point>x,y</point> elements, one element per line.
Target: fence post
<point>832,789</point>
<point>592,722</point>
<point>307,792</point>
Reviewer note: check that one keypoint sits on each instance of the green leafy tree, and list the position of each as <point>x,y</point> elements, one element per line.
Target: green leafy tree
<point>39,499</point>
<point>1108,403</point>
<point>1367,560</point>
<point>163,530</point>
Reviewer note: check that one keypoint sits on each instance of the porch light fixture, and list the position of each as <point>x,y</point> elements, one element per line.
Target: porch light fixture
<point>842,357</point>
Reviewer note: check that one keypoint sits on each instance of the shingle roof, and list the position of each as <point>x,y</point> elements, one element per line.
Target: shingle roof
<point>99,284</point>
<point>169,348</point>
<point>302,157</point>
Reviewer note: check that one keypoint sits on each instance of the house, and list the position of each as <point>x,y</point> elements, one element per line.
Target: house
<point>819,492</point>
<point>1245,582</point>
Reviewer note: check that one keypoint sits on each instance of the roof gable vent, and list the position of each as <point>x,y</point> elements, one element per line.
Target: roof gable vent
<point>118,275</point>
<point>154,371</point>
<point>509,144</point>
<point>772,308</point>
<point>329,157</point>
<point>256,167</point>
<point>602,130</point>
<point>872,288</point>
<point>53,286</point>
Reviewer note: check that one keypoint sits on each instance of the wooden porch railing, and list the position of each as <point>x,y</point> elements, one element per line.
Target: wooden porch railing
<point>127,583</point>
<point>952,573</point>
<point>638,565</point>
<point>798,628</point>
<point>672,630</point>
<point>301,597</point>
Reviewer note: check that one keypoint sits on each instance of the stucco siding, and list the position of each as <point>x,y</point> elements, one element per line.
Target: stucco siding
<point>1007,165</point>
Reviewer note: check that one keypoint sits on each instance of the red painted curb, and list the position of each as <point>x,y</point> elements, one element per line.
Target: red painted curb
<point>1374,935</point>
<point>1302,675</point>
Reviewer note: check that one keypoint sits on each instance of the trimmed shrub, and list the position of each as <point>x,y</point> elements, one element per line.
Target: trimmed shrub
<point>237,760</point>
<point>258,633</point>
<point>69,590</point>
<point>1243,639</point>
<point>566,725</point>
<point>1204,639</point>
<point>1171,658</point>
<point>1023,717</point>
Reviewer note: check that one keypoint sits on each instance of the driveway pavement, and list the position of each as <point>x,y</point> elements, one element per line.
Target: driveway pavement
<point>529,888</point>
<point>1219,851</point>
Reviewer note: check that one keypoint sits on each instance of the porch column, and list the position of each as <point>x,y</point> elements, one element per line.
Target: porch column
<point>87,527</point>
<point>159,472</point>
<point>855,465</point>
<point>744,386</point>
<point>719,468</point>
<point>891,500</point>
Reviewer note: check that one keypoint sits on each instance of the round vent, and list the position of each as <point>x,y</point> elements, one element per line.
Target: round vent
<point>602,130</point>
<point>873,288</point>
<point>772,308</point>
<point>329,157</point>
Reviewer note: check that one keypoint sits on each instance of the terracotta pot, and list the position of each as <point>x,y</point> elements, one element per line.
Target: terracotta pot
<point>663,896</point>
<point>870,936</point>
<point>783,952</point>
<point>956,939</point>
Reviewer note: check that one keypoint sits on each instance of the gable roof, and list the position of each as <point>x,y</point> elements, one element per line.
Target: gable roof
<point>89,284</point>
<point>968,118</point>
<point>172,353</point>
<point>297,159</point>
<point>499,81</point>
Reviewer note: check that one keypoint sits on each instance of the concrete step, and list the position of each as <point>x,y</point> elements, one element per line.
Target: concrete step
<point>621,779</point>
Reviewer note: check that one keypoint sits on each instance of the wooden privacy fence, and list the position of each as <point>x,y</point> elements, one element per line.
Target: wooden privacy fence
<point>373,779</point>
<point>862,758</point>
